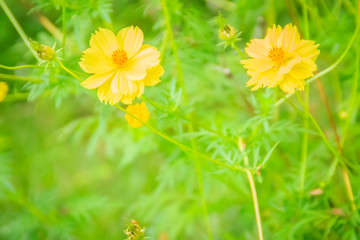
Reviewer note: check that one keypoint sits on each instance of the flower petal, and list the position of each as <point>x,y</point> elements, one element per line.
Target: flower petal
<point>104,40</point>
<point>153,75</point>
<point>258,48</point>
<point>308,49</point>
<point>133,40</point>
<point>106,95</point>
<point>146,58</point>
<point>97,80</point>
<point>96,61</point>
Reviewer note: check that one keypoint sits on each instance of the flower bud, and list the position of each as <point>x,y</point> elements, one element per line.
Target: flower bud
<point>44,52</point>
<point>134,232</point>
<point>4,88</point>
<point>343,114</point>
<point>227,33</point>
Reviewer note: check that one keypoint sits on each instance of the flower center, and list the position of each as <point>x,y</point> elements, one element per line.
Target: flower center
<point>276,55</point>
<point>119,57</point>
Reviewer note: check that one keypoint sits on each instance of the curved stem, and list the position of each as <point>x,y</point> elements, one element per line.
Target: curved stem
<point>253,190</point>
<point>255,201</point>
<point>19,78</point>
<point>20,67</point>
<point>318,128</point>
<point>241,54</point>
<point>17,26</point>
<point>68,70</point>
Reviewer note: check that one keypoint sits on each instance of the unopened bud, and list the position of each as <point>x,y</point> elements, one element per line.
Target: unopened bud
<point>227,33</point>
<point>44,52</point>
<point>343,114</point>
<point>4,88</point>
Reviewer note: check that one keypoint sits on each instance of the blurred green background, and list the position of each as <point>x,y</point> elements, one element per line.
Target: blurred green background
<point>72,168</point>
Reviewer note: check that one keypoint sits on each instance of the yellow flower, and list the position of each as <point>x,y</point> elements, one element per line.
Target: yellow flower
<point>281,59</point>
<point>138,110</point>
<point>4,88</point>
<point>120,63</point>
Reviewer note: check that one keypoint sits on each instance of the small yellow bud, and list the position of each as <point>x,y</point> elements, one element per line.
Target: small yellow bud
<point>227,33</point>
<point>343,114</point>
<point>44,52</point>
<point>4,88</point>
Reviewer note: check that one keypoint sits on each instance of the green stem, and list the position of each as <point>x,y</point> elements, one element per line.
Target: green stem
<point>180,145</point>
<point>326,141</point>
<point>19,78</point>
<point>20,67</point>
<point>68,70</point>
<point>174,48</point>
<point>253,190</point>
<point>305,141</point>
<point>241,54</point>
<point>163,135</point>
<point>190,125</point>
<point>17,26</point>
<point>354,96</point>
<point>327,70</point>
<point>256,203</point>
<point>304,146</point>
<point>163,108</point>
<point>63,27</point>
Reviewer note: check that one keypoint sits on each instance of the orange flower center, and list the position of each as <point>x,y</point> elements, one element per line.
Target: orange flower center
<point>119,57</point>
<point>276,55</point>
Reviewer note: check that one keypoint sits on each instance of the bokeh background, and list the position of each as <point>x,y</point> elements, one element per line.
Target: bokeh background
<point>72,168</point>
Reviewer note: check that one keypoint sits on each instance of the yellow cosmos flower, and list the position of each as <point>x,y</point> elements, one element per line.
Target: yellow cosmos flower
<point>122,65</point>
<point>281,59</point>
<point>4,88</point>
<point>138,110</point>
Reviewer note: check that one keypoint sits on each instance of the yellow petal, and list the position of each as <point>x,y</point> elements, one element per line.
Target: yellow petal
<point>104,40</point>
<point>289,84</point>
<point>106,95</point>
<point>258,48</point>
<point>308,49</point>
<point>96,61</point>
<point>273,34</point>
<point>139,111</point>
<point>258,65</point>
<point>132,39</point>
<point>153,75</point>
<point>146,58</point>
<point>97,80</point>
<point>4,88</point>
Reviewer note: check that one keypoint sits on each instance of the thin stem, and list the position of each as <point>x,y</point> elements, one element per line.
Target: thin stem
<point>252,188</point>
<point>354,95</point>
<point>255,201</point>
<point>349,189</point>
<point>20,67</point>
<point>162,108</point>
<point>19,78</point>
<point>17,26</point>
<point>67,70</point>
<point>190,125</point>
<point>163,135</point>
<point>305,141</point>
<point>174,48</point>
<point>180,145</point>
<point>328,69</point>
<point>326,141</point>
<point>241,54</point>
<point>63,27</point>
